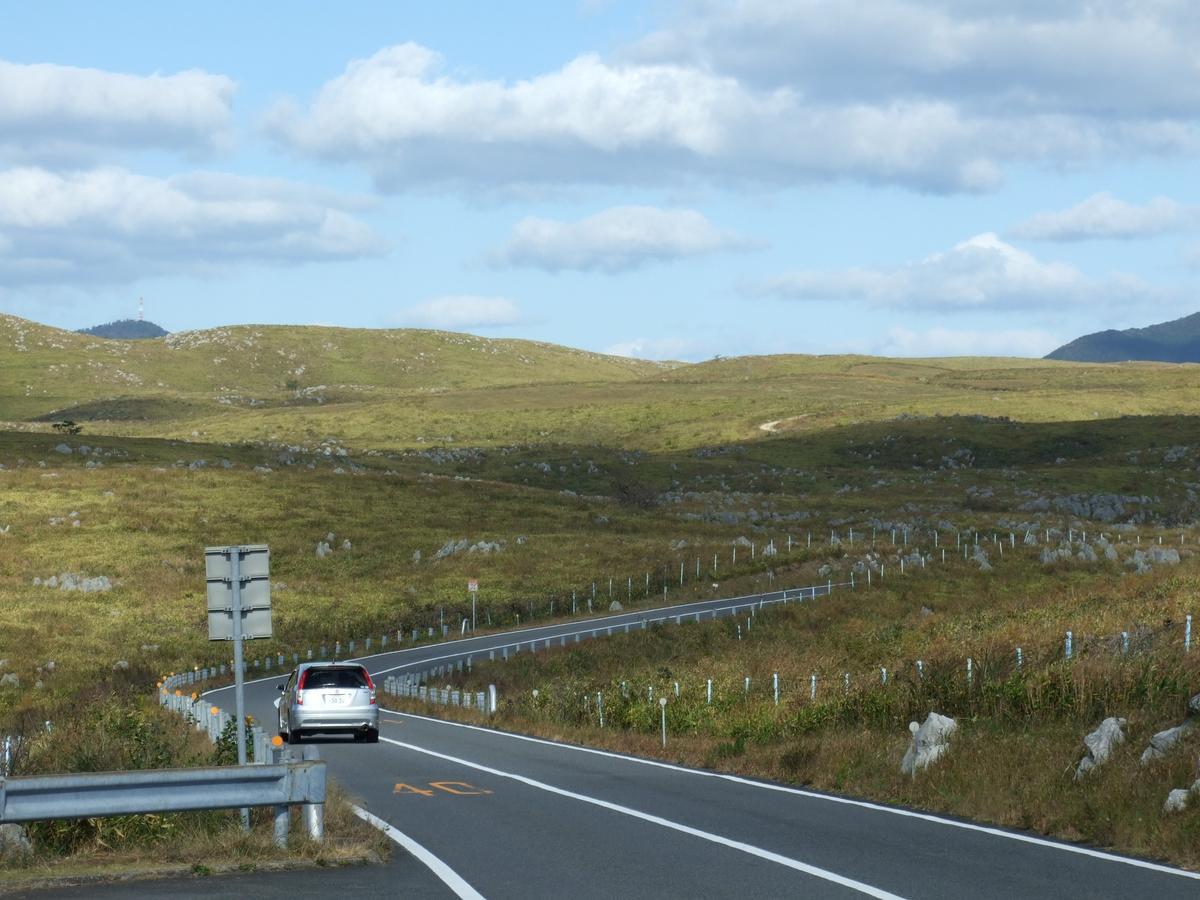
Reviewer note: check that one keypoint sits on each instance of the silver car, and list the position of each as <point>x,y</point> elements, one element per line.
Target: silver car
<point>328,698</point>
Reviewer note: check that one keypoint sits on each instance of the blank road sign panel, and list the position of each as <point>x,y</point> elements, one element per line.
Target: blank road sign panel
<point>256,561</point>
<point>256,623</point>
<point>256,594</point>
<point>254,577</point>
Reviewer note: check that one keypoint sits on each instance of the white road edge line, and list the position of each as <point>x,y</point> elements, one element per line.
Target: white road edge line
<point>831,798</point>
<point>452,879</point>
<point>665,823</point>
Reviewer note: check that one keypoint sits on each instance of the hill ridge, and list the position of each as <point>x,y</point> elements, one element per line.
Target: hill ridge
<point>1177,341</point>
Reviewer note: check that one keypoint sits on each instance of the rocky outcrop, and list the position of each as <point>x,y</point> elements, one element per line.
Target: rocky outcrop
<point>1100,744</point>
<point>930,741</point>
<point>1165,740</point>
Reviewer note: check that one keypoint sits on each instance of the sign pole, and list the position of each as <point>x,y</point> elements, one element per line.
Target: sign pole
<point>235,573</point>
<point>473,612</point>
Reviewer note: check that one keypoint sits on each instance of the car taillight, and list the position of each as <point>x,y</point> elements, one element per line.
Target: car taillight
<point>300,688</point>
<point>370,684</point>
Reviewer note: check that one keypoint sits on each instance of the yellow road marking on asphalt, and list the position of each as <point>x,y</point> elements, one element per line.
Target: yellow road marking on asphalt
<point>454,788</point>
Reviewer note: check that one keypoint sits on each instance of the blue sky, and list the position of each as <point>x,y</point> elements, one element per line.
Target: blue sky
<point>661,179</point>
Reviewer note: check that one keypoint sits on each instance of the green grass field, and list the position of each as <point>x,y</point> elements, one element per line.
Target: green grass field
<point>583,469</point>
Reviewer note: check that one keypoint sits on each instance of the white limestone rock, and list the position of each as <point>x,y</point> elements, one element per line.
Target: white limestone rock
<point>930,741</point>
<point>1100,744</point>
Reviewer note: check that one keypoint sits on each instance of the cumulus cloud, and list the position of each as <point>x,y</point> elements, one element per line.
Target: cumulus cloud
<point>958,342</point>
<point>53,111</point>
<point>1103,216</point>
<point>462,312</point>
<point>1109,59</point>
<point>936,96</point>
<point>982,273</point>
<point>112,225</point>
<point>617,239</point>
<point>595,122</point>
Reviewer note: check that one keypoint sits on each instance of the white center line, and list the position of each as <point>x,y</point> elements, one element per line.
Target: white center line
<point>665,823</point>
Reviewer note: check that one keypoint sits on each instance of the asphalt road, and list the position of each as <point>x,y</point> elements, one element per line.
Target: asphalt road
<point>509,816</point>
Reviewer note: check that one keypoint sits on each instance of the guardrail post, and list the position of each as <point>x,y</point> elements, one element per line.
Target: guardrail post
<point>314,813</point>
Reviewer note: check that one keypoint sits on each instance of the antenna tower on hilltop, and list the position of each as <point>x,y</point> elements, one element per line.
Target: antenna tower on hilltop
<point>141,310</point>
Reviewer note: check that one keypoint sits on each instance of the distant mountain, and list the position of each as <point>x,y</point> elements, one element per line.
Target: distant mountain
<point>126,330</point>
<point>1177,341</point>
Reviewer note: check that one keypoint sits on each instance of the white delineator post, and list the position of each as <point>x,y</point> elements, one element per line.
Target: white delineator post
<point>662,704</point>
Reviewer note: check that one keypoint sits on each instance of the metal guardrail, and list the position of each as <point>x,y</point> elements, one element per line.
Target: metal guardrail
<point>31,798</point>
<point>413,683</point>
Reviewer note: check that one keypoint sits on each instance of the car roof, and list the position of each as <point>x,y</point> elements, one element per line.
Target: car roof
<point>305,666</point>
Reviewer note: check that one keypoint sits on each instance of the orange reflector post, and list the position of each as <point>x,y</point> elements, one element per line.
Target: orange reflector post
<point>215,710</point>
<point>277,741</point>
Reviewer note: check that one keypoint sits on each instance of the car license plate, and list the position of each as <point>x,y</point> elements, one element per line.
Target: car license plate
<point>336,699</point>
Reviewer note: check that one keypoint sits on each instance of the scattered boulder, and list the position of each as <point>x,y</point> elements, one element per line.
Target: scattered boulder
<point>416,557</point>
<point>346,544</point>
<point>980,558</point>
<point>1163,741</point>
<point>451,547</point>
<point>10,679</point>
<point>263,470</point>
<point>121,665</point>
<point>323,550</point>
<point>64,449</point>
<point>14,843</point>
<point>930,741</point>
<point>1142,561</point>
<point>1100,745</point>
<point>1177,800</point>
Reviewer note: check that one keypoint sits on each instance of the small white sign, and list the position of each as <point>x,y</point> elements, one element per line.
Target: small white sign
<point>473,585</point>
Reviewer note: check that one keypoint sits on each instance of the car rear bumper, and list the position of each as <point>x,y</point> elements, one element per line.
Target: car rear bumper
<point>334,720</point>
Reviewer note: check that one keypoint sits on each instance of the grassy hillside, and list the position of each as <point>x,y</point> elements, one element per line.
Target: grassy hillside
<point>382,390</point>
<point>548,473</point>
<point>46,372</point>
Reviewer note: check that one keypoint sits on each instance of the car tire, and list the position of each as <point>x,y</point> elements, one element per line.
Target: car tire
<point>293,736</point>
<point>372,736</point>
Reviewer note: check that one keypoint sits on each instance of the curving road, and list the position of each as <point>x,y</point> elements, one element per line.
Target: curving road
<point>502,815</point>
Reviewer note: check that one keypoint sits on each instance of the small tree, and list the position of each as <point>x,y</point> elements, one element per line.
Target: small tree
<point>66,426</point>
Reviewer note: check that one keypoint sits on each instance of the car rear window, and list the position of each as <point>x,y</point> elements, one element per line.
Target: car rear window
<point>335,678</point>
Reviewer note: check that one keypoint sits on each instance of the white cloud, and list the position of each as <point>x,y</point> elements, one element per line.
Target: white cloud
<point>614,240</point>
<point>1108,59</point>
<point>1103,216</point>
<point>53,111</point>
<point>668,348</point>
<point>462,312</point>
<point>113,225</point>
<point>954,342</point>
<point>982,273</point>
<point>595,122</point>
<point>937,96</point>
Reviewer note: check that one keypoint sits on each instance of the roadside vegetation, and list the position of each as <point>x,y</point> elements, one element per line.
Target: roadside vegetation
<point>1021,724</point>
<point>385,469</point>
